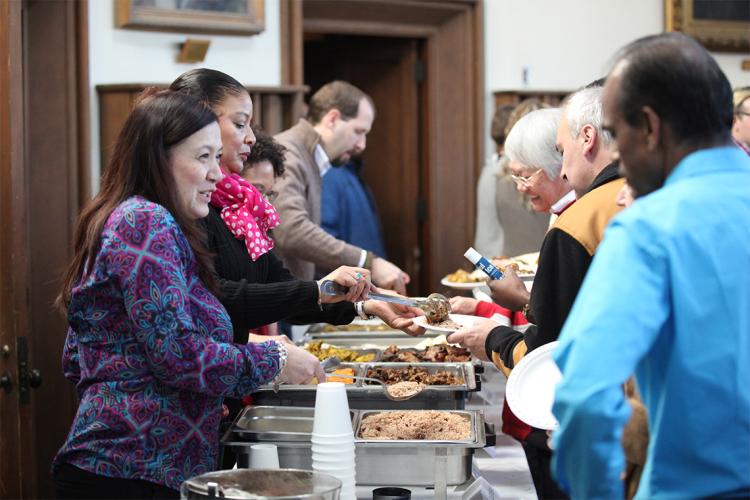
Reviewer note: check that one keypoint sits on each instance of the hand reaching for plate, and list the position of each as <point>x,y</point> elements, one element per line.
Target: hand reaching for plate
<point>474,336</point>
<point>463,305</point>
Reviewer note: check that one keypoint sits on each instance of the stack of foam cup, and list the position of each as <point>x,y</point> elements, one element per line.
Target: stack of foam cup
<point>332,436</point>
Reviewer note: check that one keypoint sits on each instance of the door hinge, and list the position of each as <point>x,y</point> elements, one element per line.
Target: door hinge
<point>421,210</point>
<point>419,71</point>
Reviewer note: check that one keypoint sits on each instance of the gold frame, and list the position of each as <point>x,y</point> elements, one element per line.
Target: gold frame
<point>130,16</point>
<point>724,36</point>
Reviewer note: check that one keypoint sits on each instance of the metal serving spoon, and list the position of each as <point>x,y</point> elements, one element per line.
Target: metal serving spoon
<point>330,364</point>
<point>436,306</point>
<point>386,387</point>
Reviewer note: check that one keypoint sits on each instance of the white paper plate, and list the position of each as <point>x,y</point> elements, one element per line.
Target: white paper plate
<point>461,319</point>
<point>461,286</point>
<point>530,390</point>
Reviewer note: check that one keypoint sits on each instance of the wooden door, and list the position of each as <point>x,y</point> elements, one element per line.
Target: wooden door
<point>43,180</point>
<point>16,477</point>
<point>450,125</point>
<point>387,70</point>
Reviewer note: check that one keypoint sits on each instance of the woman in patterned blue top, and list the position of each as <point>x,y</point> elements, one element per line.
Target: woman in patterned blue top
<point>149,345</point>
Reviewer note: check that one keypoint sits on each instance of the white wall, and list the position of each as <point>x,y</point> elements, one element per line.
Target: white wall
<point>565,44</point>
<point>130,56</point>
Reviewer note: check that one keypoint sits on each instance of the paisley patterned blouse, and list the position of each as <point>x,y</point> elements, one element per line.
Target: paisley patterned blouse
<point>149,349</point>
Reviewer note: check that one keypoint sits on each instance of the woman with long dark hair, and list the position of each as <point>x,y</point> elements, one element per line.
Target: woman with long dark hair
<point>149,345</point>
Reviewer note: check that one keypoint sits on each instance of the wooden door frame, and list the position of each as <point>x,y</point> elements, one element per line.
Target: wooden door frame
<point>453,33</point>
<point>20,474</point>
<point>16,462</point>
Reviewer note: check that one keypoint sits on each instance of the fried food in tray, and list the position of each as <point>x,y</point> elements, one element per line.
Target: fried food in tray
<point>414,374</point>
<point>462,276</point>
<point>321,351</point>
<point>358,326</point>
<point>441,353</point>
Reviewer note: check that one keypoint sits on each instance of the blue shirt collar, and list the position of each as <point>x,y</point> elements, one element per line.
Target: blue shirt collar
<point>709,161</point>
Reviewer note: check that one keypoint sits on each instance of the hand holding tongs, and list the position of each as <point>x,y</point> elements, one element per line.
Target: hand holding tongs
<point>434,305</point>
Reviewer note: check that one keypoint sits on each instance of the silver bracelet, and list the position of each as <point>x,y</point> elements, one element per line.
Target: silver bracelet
<point>359,307</point>
<point>283,357</point>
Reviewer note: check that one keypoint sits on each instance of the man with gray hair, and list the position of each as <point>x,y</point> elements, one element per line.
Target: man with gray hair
<point>565,256</point>
<point>585,146</point>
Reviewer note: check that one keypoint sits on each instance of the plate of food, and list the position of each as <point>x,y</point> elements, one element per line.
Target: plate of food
<point>465,280</point>
<point>530,390</point>
<point>450,325</point>
<point>525,265</point>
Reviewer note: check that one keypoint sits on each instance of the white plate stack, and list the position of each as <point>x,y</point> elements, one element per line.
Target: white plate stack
<point>333,438</point>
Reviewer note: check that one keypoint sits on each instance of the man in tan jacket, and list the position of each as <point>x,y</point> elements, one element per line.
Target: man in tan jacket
<point>338,120</point>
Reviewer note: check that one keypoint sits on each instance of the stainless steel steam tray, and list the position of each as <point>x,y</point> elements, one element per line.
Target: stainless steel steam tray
<point>275,423</point>
<point>378,461</point>
<point>366,396</point>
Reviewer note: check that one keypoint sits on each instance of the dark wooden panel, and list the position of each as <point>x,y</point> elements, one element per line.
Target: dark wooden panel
<point>16,468</point>
<point>52,171</point>
<point>455,138</point>
<point>117,100</point>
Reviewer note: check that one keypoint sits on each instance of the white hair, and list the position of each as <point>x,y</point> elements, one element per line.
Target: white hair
<point>585,108</point>
<point>532,141</point>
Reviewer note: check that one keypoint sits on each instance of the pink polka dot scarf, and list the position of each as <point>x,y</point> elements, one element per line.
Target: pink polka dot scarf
<point>246,213</point>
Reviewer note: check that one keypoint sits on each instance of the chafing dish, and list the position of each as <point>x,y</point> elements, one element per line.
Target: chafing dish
<point>363,396</point>
<point>417,462</point>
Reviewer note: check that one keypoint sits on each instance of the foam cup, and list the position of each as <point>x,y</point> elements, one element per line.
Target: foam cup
<point>331,417</point>
<point>263,456</point>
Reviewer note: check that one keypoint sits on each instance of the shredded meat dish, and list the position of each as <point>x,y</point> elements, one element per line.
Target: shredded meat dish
<point>414,374</point>
<point>416,424</point>
<point>434,354</point>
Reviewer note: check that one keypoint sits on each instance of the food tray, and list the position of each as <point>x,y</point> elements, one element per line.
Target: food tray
<point>365,396</point>
<point>274,423</point>
<point>367,341</point>
<point>417,462</point>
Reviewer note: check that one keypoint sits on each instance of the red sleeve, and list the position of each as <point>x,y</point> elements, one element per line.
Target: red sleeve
<point>487,309</point>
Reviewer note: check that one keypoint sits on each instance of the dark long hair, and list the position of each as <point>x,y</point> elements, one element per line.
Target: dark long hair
<point>140,165</point>
<point>207,85</point>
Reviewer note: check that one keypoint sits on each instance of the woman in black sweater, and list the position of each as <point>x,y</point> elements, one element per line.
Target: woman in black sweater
<point>258,289</point>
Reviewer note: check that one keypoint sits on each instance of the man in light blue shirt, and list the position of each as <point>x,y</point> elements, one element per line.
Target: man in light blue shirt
<point>668,293</point>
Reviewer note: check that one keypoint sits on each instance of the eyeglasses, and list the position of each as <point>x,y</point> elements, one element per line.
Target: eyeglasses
<point>269,195</point>
<point>524,181</point>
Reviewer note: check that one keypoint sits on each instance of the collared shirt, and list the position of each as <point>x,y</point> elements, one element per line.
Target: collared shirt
<point>324,165</point>
<point>667,297</point>
<point>322,160</point>
<point>560,205</point>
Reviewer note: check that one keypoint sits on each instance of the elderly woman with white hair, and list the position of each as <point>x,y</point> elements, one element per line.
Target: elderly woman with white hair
<point>535,162</point>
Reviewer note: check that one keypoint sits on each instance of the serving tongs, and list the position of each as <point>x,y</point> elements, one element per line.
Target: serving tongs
<point>432,306</point>
<point>330,364</point>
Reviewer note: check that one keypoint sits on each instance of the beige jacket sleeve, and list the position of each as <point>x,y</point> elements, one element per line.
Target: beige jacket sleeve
<point>300,237</point>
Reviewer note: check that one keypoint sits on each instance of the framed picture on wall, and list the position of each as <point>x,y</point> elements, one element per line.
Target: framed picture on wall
<point>720,25</point>
<point>229,17</point>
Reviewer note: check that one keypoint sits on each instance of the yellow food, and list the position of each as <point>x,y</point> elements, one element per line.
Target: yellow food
<point>340,371</point>
<point>461,276</point>
<point>316,349</point>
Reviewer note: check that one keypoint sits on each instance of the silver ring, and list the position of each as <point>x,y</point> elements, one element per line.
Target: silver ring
<point>358,276</point>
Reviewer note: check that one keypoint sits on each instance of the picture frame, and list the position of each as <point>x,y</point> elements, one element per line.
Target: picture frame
<point>719,26</point>
<point>225,17</point>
